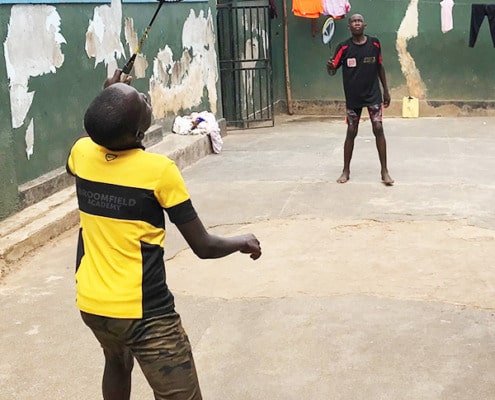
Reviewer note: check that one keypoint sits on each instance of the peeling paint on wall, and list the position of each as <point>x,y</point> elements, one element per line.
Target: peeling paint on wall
<point>140,64</point>
<point>177,85</point>
<point>32,48</point>
<point>29,138</point>
<point>255,47</point>
<point>409,29</point>
<point>198,34</point>
<point>103,36</point>
<point>252,24</point>
<point>251,53</point>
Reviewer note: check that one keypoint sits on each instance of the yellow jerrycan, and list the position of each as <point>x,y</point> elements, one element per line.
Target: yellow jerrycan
<point>410,107</point>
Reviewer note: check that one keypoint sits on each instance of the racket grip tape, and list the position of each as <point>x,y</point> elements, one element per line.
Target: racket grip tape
<point>129,64</point>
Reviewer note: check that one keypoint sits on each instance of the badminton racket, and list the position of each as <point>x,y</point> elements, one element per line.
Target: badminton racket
<point>130,63</point>
<point>327,32</point>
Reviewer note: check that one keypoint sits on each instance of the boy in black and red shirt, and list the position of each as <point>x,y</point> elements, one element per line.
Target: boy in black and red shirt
<point>361,60</point>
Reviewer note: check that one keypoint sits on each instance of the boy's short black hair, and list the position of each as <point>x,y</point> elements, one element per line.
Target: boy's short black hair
<point>109,118</point>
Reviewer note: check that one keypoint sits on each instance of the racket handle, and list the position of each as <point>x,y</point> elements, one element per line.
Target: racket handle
<point>129,64</point>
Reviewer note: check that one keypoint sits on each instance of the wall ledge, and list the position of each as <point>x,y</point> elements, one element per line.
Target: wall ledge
<point>47,184</point>
<point>427,108</point>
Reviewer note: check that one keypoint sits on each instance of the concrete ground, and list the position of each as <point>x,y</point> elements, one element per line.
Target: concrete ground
<point>363,291</point>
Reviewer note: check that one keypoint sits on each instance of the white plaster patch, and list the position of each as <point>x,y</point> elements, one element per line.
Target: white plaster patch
<point>251,53</point>
<point>32,48</point>
<point>131,37</point>
<point>177,85</point>
<point>255,47</point>
<point>252,23</point>
<point>29,139</point>
<point>103,36</point>
<point>34,330</point>
<point>408,29</point>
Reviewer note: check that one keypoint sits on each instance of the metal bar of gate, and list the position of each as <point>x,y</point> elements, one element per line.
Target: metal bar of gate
<point>245,66</point>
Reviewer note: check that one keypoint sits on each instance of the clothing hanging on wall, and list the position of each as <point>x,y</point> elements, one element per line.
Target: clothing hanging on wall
<point>446,14</point>
<point>478,13</point>
<point>337,9</point>
<point>307,8</point>
<point>314,8</point>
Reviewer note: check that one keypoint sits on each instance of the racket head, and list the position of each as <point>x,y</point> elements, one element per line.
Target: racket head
<point>328,30</point>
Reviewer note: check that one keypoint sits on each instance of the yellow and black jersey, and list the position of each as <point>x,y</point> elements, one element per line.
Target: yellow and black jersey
<point>120,270</point>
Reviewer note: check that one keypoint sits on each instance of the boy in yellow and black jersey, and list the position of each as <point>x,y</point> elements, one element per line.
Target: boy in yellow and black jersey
<point>121,285</point>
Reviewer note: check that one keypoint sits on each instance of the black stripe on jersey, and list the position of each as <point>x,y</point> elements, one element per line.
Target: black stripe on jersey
<point>80,249</point>
<point>181,213</point>
<point>119,202</point>
<point>157,299</point>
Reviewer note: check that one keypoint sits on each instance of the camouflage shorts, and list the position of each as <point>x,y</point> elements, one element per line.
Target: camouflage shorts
<point>354,115</point>
<point>159,344</point>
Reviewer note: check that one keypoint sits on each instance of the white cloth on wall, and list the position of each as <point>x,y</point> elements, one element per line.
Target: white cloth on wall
<point>446,15</point>
<point>336,8</point>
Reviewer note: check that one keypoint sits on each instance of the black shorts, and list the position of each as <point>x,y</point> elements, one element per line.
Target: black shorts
<point>159,344</point>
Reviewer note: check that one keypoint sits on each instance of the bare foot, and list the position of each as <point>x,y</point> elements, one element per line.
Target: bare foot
<point>343,178</point>
<point>387,180</point>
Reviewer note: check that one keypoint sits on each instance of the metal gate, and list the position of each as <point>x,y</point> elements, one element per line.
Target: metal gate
<point>244,44</point>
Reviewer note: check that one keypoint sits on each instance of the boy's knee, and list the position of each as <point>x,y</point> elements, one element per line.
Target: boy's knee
<point>352,131</point>
<point>123,360</point>
<point>377,128</point>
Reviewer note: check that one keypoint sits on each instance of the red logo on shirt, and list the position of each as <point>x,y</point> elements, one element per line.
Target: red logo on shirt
<point>351,62</point>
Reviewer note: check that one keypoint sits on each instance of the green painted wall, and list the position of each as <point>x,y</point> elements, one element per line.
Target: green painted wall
<point>8,179</point>
<point>278,64</point>
<point>62,97</point>
<point>449,69</point>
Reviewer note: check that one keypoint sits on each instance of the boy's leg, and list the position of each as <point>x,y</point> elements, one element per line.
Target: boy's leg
<point>352,120</point>
<point>163,351</point>
<point>116,383</point>
<point>376,117</point>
